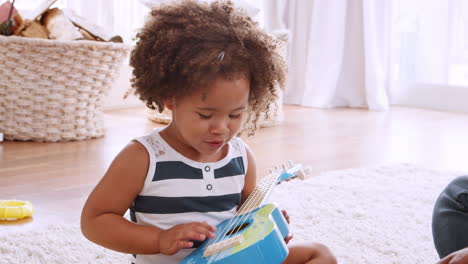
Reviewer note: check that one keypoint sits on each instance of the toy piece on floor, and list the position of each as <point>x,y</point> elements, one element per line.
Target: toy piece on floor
<point>15,210</point>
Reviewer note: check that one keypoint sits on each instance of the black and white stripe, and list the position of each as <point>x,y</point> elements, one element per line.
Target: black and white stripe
<point>178,190</point>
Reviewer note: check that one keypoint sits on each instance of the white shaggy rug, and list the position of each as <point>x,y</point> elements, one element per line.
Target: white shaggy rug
<point>374,215</point>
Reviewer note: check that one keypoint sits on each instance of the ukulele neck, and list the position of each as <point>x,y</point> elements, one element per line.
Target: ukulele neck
<point>259,195</point>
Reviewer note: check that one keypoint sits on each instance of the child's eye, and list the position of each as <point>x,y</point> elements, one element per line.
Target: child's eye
<point>204,116</point>
<point>234,116</point>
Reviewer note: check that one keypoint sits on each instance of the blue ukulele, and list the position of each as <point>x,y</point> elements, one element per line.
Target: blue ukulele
<point>256,234</point>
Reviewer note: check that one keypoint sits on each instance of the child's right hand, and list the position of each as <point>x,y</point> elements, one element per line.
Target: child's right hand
<point>180,236</point>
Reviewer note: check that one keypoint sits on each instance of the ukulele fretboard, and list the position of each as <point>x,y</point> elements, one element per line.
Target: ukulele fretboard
<point>259,194</point>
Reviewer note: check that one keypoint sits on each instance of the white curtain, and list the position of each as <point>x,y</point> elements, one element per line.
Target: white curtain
<point>429,59</point>
<point>336,51</point>
<point>371,53</point>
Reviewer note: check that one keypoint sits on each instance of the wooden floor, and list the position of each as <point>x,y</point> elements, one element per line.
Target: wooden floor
<point>57,177</point>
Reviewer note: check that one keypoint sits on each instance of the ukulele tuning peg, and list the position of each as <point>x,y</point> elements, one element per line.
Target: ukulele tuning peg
<point>283,166</point>
<point>290,163</point>
<point>276,168</point>
<point>301,174</point>
<point>270,170</point>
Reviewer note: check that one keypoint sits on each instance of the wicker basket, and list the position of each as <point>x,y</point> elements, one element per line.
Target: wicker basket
<point>53,90</point>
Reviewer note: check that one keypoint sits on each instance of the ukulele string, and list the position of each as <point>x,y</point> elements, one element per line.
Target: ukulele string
<point>252,200</point>
<point>258,197</point>
<point>264,189</point>
<point>271,180</point>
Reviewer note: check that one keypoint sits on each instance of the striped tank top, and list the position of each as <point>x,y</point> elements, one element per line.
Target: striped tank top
<point>179,190</point>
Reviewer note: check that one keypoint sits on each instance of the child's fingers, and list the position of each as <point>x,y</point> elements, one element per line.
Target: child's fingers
<point>286,215</point>
<point>182,236</point>
<point>194,232</point>
<point>190,235</point>
<point>207,226</point>
<point>173,246</point>
<point>184,244</point>
<point>178,245</point>
<point>206,230</point>
<point>201,228</point>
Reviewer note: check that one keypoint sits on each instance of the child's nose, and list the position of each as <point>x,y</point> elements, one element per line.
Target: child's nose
<point>220,126</point>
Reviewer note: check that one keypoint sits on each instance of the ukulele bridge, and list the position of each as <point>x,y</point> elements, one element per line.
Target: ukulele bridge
<point>223,245</point>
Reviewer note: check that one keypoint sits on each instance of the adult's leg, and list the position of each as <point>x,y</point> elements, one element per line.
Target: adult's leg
<point>450,218</point>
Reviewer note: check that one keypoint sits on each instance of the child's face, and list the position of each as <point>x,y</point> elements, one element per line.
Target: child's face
<point>208,118</point>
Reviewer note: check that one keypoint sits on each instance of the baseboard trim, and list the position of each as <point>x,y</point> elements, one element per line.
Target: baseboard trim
<point>436,97</point>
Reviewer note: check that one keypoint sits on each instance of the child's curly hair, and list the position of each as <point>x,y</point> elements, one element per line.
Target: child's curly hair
<point>187,44</point>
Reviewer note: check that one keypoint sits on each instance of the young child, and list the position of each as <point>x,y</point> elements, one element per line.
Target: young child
<point>213,67</point>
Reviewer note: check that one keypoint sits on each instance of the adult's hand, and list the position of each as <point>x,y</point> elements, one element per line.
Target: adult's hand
<point>457,257</point>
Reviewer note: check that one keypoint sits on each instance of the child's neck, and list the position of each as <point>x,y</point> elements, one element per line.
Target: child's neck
<point>171,135</point>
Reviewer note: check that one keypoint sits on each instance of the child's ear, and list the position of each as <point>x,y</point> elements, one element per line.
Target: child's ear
<point>169,103</point>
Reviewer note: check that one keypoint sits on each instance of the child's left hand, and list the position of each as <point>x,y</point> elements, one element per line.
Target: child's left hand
<point>289,236</point>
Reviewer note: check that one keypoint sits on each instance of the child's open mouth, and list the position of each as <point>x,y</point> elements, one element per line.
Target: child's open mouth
<point>215,144</point>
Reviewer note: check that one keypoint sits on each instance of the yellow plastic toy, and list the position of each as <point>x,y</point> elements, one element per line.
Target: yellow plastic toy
<point>14,210</point>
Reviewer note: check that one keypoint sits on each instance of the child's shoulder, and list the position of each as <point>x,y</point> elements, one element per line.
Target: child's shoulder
<point>153,143</point>
<point>130,161</point>
<point>134,151</point>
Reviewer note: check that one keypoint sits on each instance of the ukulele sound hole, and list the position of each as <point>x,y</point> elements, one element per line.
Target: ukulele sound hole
<point>237,229</point>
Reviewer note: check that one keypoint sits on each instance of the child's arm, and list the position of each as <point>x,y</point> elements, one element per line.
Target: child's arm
<point>250,181</point>
<point>102,218</point>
